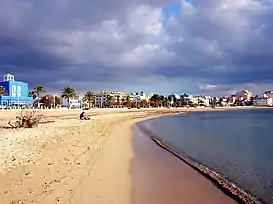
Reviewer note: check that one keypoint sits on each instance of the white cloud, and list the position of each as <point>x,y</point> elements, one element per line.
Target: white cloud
<point>107,43</point>
<point>188,8</point>
<point>207,87</point>
<point>146,56</point>
<point>146,20</point>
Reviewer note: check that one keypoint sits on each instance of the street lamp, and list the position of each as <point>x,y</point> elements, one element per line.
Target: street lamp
<point>18,101</point>
<point>54,105</point>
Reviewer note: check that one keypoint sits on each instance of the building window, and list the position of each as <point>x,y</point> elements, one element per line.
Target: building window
<point>13,89</point>
<point>18,89</point>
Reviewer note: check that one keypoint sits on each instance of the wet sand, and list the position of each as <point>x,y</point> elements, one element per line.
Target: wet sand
<point>99,161</point>
<point>159,177</point>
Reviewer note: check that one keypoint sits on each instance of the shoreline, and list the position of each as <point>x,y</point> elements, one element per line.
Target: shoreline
<point>227,186</point>
<point>72,161</point>
<point>160,177</point>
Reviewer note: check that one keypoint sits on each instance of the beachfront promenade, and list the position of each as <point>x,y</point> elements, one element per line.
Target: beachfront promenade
<point>65,160</point>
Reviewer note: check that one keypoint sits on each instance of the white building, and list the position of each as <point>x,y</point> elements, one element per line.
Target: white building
<point>101,98</point>
<point>206,100</point>
<point>176,96</point>
<point>118,98</point>
<point>201,100</point>
<point>73,102</point>
<point>263,102</point>
<point>77,103</point>
<point>137,97</point>
<point>268,94</point>
<point>244,95</point>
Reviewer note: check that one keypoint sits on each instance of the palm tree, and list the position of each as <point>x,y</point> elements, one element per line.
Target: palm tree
<point>220,102</point>
<point>57,100</point>
<point>109,100</point>
<point>67,94</point>
<point>90,97</point>
<point>37,90</point>
<point>213,103</point>
<point>2,91</point>
<point>128,101</point>
<point>33,96</point>
<point>143,104</point>
<point>118,100</point>
<point>161,100</point>
<point>122,101</point>
<point>155,100</point>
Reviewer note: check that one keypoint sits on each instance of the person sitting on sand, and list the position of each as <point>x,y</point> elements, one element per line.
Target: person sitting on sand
<point>83,116</point>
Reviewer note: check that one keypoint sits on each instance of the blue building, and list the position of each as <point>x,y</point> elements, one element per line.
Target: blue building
<point>16,92</point>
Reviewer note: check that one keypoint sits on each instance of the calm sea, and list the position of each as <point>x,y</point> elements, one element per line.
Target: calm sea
<point>236,144</point>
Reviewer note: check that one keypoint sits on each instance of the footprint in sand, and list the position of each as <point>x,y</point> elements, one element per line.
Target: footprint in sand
<point>27,173</point>
<point>57,199</point>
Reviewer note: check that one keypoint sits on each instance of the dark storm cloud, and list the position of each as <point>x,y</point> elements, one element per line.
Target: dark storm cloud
<point>83,42</point>
<point>27,47</point>
<point>25,54</point>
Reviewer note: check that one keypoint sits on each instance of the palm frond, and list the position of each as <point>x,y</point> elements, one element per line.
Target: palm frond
<point>2,90</point>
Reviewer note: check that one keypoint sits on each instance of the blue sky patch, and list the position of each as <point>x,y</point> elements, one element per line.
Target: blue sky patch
<point>171,10</point>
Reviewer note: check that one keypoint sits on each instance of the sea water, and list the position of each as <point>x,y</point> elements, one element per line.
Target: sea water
<point>238,144</point>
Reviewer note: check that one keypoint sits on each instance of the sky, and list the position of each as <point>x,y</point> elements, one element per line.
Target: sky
<point>199,46</point>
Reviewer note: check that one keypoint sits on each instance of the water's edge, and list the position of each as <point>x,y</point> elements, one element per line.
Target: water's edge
<point>226,186</point>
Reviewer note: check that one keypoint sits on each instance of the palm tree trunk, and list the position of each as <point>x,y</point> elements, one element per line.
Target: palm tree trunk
<point>38,101</point>
<point>68,104</point>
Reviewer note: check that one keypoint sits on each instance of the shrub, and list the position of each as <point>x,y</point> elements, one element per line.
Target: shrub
<point>27,119</point>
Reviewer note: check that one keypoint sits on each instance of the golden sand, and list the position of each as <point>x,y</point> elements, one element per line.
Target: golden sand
<point>97,161</point>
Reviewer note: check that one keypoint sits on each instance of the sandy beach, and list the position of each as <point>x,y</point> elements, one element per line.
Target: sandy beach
<point>104,160</point>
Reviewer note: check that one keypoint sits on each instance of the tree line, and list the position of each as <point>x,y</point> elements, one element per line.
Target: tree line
<point>156,100</point>
<point>90,99</point>
<point>48,100</point>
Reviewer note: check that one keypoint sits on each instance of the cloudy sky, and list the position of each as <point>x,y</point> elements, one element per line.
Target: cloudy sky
<point>197,46</point>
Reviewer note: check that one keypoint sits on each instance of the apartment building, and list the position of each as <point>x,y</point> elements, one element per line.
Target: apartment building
<point>263,102</point>
<point>73,102</point>
<point>101,98</point>
<point>206,100</point>
<point>244,95</point>
<point>118,98</point>
<point>137,97</point>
